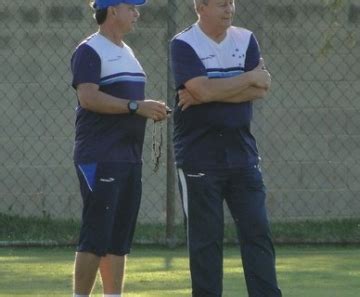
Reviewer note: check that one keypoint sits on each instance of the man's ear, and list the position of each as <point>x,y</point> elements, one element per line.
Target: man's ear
<point>201,8</point>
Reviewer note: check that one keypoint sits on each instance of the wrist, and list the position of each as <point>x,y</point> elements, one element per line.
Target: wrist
<point>133,106</point>
<point>250,78</point>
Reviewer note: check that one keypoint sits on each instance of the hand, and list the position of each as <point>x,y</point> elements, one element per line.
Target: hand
<point>261,65</point>
<point>260,77</point>
<point>186,99</point>
<point>151,109</point>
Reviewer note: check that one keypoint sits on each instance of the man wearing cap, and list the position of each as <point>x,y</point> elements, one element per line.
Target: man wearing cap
<point>110,127</point>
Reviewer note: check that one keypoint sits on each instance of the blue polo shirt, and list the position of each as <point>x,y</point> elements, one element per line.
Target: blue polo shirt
<point>104,137</point>
<point>213,135</point>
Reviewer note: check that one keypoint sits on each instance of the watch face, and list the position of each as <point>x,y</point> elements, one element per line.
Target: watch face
<point>133,106</point>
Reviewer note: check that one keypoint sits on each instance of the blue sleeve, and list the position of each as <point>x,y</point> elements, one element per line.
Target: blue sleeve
<point>85,66</point>
<point>252,54</point>
<point>185,63</point>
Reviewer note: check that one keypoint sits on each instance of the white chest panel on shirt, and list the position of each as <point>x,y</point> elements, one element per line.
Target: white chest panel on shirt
<point>117,63</point>
<point>226,55</point>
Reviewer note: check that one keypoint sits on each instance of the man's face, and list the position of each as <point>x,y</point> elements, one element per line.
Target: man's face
<point>219,12</point>
<point>125,17</point>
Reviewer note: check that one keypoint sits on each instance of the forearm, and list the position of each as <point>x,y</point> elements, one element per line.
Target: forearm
<point>96,101</point>
<point>92,99</point>
<point>249,94</point>
<point>226,88</point>
<point>207,90</point>
<point>103,103</point>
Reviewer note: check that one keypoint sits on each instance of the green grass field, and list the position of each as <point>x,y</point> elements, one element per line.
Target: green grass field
<point>303,271</point>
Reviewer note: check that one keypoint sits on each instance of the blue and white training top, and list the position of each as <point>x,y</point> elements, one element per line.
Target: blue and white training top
<point>213,135</point>
<point>103,137</point>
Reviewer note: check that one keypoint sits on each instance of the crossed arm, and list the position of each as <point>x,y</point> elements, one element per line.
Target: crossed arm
<point>246,87</point>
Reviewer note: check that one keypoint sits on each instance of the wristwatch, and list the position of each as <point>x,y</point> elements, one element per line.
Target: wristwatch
<point>133,106</point>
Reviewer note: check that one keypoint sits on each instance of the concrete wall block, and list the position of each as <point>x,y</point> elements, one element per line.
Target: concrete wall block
<point>37,205</point>
<point>23,123</point>
<point>286,67</point>
<point>5,40</point>
<point>354,13</point>
<point>50,98</point>
<point>154,14</point>
<point>21,180</point>
<point>57,71</point>
<point>278,121</point>
<point>297,94</point>
<point>281,175</point>
<point>11,150</point>
<point>294,148</point>
<point>323,175</point>
<point>7,124</point>
<point>339,39</point>
<point>61,124</point>
<point>12,204</point>
<point>154,191</point>
<point>305,67</point>
<point>7,73</point>
<point>47,151</point>
<point>153,40</point>
<point>33,191</point>
<point>280,14</point>
<point>344,149</point>
<point>61,179</point>
<point>31,96</point>
<point>36,13</point>
<point>21,68</point>
<point>151,210</point>
<point>35,151</point>
<point>65,14</point>
<point>8,98</point>
<point>315,69</point>
<point>352,176</point>
<point>342,94</point>
<point>313,205</point>
<point>290,13</point>
<point>63,205</point>
<point>340,67</point>
<point>353,124</point>
<point>287,13</point>
<point>62,195</point>
<point>285,204</point>
<point>326,121</point>
<point>286,40</point>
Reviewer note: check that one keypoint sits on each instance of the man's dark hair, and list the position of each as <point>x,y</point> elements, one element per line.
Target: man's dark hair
<point>99,14</point>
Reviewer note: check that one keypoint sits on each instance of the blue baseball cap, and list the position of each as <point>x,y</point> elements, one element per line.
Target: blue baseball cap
<point>102,4</point>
